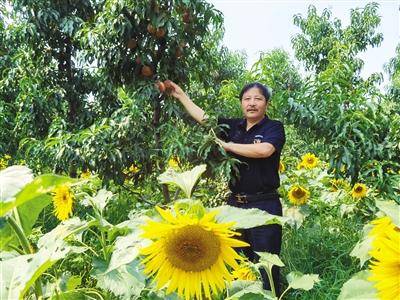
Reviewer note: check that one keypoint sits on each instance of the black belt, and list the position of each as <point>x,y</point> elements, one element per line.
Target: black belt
<point>246,198</point>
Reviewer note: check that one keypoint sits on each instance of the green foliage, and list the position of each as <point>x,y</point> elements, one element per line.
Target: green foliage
<point>320,35</point>
<point>354,122</point>
<point>393,70</point>
<point>74,96</point>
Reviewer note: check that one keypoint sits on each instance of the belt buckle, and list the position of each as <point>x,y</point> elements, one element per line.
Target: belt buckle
<point>242,199</point>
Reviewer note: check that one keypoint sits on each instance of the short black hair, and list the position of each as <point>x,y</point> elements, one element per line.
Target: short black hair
<point>263,89</point>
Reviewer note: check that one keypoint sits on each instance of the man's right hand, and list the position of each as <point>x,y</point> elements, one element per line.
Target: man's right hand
<point>196,112</point>
<point>176,91</point>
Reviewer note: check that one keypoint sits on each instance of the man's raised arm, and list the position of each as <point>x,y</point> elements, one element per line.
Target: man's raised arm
<point>196,112</point>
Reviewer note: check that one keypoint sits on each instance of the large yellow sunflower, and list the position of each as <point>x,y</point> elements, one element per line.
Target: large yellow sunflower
<point>385,264</point>
<point>63,200</point>
<point>298,195</point>
<point>190,254</point>
<point>309,161</point>
<point>359,191</point>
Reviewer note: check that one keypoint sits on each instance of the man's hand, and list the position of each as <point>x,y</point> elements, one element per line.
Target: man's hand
<point>260,150</point>
<point>223,144</point>
<point>177,92</point>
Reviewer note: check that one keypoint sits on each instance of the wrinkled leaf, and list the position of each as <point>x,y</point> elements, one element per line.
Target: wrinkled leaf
<point>301,281</point>
<point>358,288</point>
<point>18,274</point>
<point>126,281</point>
<point>248,290</point>
<point>361,250</point>
<point>126,250</point>
<point>99,201</point>
<point>270,259</point>
<point>391,209</point>
<point>12,180</point>
<point>63,230</point>
<point>246,218</point>
<point>294,216</point>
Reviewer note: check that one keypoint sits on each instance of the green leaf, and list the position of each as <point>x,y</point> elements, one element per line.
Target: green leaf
<point>12,180</point>
<point>358,288</point>
<point>70,295</point>
<point>361,250</point>
<point>246,218</point>
<point>294,215</point>
<point>64,230</point>
<point>126,281</point>
<point>391,209</point>
<point>73,282</point>
<point>99,201</point>
<point>34,191</point>
<point>126,250</point>
<point>18,274</point>
<point>185,181</point>
<point>270,259</point>
<point>248,290</point>
<point>301,281</point>
<point>191,207</point>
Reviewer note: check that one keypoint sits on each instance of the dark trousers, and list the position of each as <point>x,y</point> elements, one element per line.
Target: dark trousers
<point>267,238</point>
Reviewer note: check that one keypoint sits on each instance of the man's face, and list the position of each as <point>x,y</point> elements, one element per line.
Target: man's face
<point>254,104</point>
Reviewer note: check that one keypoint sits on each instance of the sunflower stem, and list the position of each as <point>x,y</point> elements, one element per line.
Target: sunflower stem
<point>271,282</point>
<point>26,246</point>
<point>284,292</point>
<point>20,235</point>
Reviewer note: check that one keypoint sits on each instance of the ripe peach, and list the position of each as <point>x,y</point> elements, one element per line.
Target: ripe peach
<point>147,71</point>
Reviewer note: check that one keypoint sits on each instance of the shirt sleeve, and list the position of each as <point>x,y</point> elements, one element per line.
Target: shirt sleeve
<point>275,135</point>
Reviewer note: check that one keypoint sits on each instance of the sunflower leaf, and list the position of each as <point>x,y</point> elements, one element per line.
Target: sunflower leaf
<point>34,191</point>
<point>185,181</point>
<point>361,250</point>
<point>12,180</point>
<point>301,281</point>
<point>391,209</point>
<point>248,290</point>
<point>126,281</point>
<point>99,201</point>
<point>126,250</point>
<point>63,230</point>
<point>358,288</point>
<point>246,218</point>
<point>19,273</point>
<point>269,259</point>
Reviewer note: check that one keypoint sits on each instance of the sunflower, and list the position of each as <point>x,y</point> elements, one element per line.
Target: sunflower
<point>173,163</point>
<point>63,200</point>
<point>339,183</point>
<point>309,161</point>
<point>282,167</point>
<point>86,174</point>
<point>244,273</point>
<point>298,195</point>
<point>359,191</point>
<point>190,254</point>
<point>385,253</point>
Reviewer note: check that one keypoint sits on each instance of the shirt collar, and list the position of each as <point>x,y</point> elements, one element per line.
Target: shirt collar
<point>243,122</point>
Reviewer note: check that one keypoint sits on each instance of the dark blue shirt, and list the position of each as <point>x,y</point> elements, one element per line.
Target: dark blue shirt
<point>255,174</point>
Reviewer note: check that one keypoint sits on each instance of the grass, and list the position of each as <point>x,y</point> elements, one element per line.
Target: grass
<point>321,246</point>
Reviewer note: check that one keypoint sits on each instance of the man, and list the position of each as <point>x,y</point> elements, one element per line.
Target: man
<point>257,142</point>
